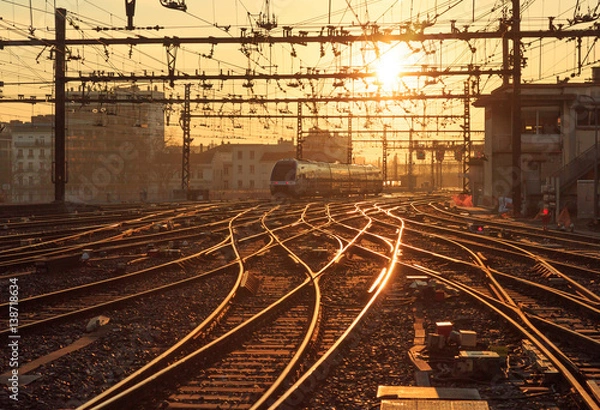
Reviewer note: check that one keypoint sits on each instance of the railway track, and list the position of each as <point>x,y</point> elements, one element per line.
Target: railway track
<point>554,309</point>
<point>311,283</point>
<point>309,320</point>
<point>115,235</point>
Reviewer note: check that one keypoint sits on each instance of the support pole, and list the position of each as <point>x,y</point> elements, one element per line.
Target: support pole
<point>60,167</point>
<point>433,179</point>
<point>130,12</point>
<point>187,141</point>
<point>171,61</point>
<point>595,196</point>
<point>384,155</point>
<point>299,138</point>
<point>466,152</point>
<point>349,153</point>
<point>516,110</point>
<point>411,185</point>
<point>505,54</point>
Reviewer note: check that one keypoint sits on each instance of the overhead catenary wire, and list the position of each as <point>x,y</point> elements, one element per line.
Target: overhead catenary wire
<point>146,59</point>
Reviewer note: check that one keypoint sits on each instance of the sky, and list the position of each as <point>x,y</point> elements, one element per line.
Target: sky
<point>28,70</point>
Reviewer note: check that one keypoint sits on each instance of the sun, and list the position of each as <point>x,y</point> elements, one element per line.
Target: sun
<point>388,67</point>
<point>387,70</point>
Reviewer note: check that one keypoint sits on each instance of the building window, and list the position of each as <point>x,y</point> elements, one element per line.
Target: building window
<point>225,171</point>
<point>30,181</point>
<point>252,183</point>
<point>240,184</point>
<point>20,153</point>
<point>30,153</point>
<point>542,120</point>
<point>587,118</point>
<point>30,166</point>
<point>251,169</point>
<point>42,153</point>
<point>19,166</point>
<point>240,169</point>
<point>251,154</point>
<point>225,184</point>
<point>240,155</point>
<point>42,166</point>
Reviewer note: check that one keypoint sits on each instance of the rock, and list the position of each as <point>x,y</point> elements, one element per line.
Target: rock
<point>96,322</point>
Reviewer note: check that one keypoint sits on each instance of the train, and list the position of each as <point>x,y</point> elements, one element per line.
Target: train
<point>294,178</point>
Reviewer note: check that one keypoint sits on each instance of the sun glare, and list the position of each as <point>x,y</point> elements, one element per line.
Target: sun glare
<point>388,68</point>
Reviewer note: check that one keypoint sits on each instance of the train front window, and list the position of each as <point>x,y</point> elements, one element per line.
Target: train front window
<point>284,171</point>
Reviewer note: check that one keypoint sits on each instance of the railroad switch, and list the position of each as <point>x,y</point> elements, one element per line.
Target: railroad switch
<point>540,362</point>
<point>482,364</point>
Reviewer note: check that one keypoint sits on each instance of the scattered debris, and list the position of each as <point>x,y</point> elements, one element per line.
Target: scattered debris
<point>97,322</point>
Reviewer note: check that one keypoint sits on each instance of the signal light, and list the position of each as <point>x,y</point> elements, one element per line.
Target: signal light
<point>480,155</point>
<point>475,227</point>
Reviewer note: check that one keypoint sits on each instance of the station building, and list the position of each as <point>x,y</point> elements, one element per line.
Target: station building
<point>559,132</point>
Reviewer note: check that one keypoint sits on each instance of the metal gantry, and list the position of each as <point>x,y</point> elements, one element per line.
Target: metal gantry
<point>466,154</point>
<point>59,175</point>
<point>187,140</point>
<point>508,30</point>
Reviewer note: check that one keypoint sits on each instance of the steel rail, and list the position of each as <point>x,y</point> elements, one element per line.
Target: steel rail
<point>522,252</point>
<point>146,370</point>
<point>535,336</point>
<point>119,394</point>
<point>320,369</point>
